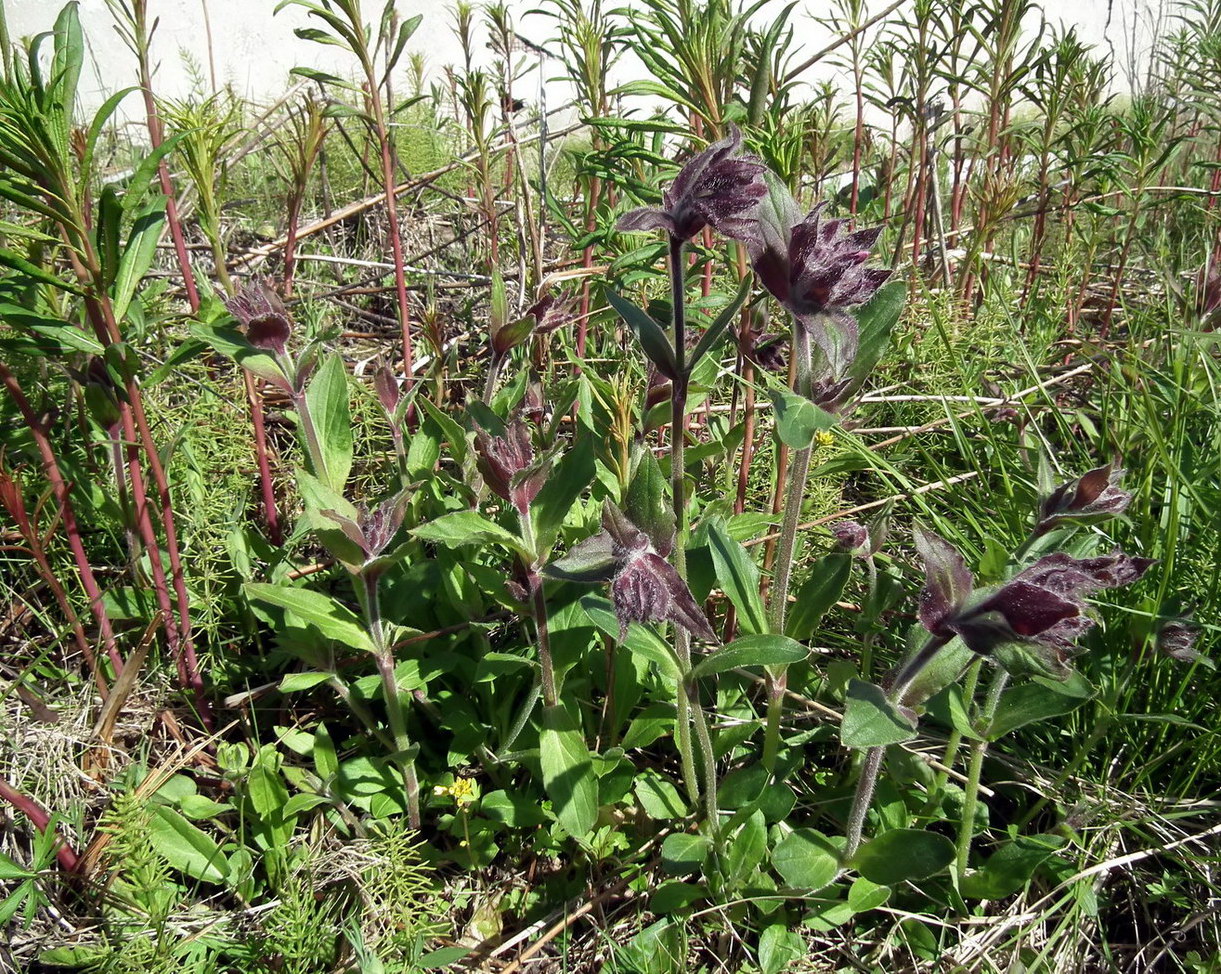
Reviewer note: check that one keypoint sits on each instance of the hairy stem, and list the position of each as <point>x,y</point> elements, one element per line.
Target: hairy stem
<point>787,549</point>
<point>868,780</point>
<point>371,603</point>
<point>970,801</point>
<point>684,702</point>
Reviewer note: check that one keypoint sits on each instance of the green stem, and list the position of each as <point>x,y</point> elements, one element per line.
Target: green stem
<point>868,780</point>
<point>535,582</point>
<point>862,799</point>
<point>954,741</point>
<point>309,433</point>
<point>970,801</point>
<point>384,656</point>
<point>786,550</point>
<point>871,618</point>
<point>685,703</point>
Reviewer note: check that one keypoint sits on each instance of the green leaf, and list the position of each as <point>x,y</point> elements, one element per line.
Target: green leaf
<point>293,682</point>
<point>715,332</point>
<point>12,259</point>
<point>301,803</point>
<point>332,619</point>
<point>62,332</point>
<point>590,562</point>
<point>739,576</point>
<point>674,896</point>
<point>442,957</point>
<point>185,847</point>
<point>454,434</point>
<point>326,759</point>
<point>138,255</point>
<point>1011,867</point>
<point>1024,704</point>
<point>865,895</point>
<point>683,853</point>
<point>659,797</point>
<point>806,859</point>
<point>876,320</point>
<point>518,811</point>
<point>568,775</point>
<point>760,649</point>
<point>106,232</point>
<point>641,640</point>
<point>266,789</point>
<point>326,397</point>
<point>746,849</point>
<point>651,335</point>
<point>870,719</point>
<point>646,501</point>
<point>68,58</point>
<point>11,870</point>
<point>568,479</point>
<point>230,342</point>
<point>797,419</point>
<point>466,527</point>
<point>818,594</point>
<point>778,945</point>
<point>16,900</point>
<point>903,854</point>
<point>200,807</point>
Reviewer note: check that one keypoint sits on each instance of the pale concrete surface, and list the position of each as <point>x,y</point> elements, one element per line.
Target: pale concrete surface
<point>253,50</point>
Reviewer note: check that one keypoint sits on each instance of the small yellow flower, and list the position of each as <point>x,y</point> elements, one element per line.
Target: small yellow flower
<point>463,791</point>
<point>824,439</point>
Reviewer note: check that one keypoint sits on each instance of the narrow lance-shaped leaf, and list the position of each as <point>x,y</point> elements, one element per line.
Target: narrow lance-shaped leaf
<point>652,337</point>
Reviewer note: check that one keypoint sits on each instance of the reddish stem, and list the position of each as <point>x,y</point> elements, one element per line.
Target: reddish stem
<point>60,489</point>
<point>42,821</point>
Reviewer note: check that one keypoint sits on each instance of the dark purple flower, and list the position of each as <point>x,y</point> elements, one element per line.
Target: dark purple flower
<point>816,268</point>
<point>1094,496</point>
<point>507,464</point>
<point>1042,608</point>
<point>644,586</point>
<point>261,310</point>
<point>765,349</point>
<point>717,187</point>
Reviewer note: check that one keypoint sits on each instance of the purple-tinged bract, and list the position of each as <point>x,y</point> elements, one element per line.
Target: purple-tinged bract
<point>507,465</point>
<point>1095,496</point>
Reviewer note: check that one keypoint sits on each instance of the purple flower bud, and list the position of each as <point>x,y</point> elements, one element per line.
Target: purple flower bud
<point>552,312</point>
<point>816,269</point>
<point>717,187</point>
<point>260,309</point>
<point>374,528</point>
<point>1093,496</point>
<point>851,536</point>
<point>507,465</point>
<point>948,581</point>
<point>387,388</point>
<point>765,349</point>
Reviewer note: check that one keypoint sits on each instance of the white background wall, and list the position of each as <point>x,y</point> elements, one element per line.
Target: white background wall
<point>253,50</point>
